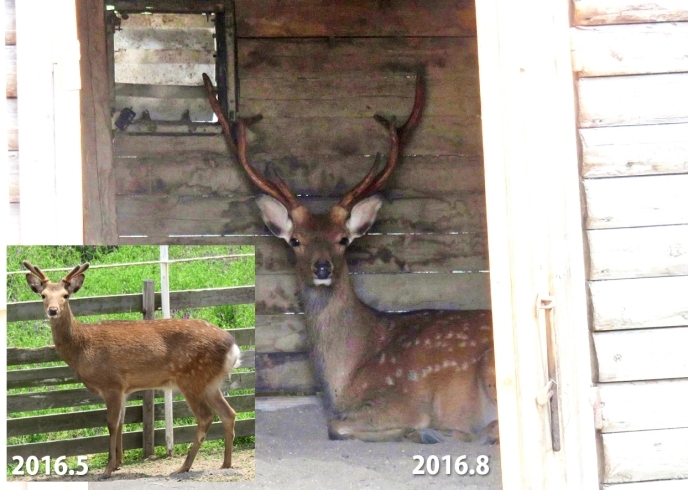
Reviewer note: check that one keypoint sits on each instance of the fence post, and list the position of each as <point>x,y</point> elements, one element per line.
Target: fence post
<point>165,301</point>
<point>148,395</point>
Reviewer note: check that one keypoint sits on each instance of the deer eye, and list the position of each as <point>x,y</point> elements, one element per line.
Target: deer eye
<point>66,296</point>
<point>43,296</point>
<point>344,241</point>
<point>294,242</point>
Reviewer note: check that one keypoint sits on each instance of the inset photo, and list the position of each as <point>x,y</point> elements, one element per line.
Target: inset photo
<point>130,363</point>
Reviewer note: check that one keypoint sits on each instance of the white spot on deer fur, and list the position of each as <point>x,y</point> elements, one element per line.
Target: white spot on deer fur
<point>437,337</point>
<point>450,335</point>
<point>417,342</point>
<point>412,376</point>
<point>407,345</point>
<point>382,358</point>
<point>399,373</point>
<point>484,327</point>
<point>485,340</point>
<point>427,342</point>
<point>393,360</point>
<point>462,344</point>
<point>464,366</point>
<point>473,343</point>
<point>389,380</point>
<point>364,385</point>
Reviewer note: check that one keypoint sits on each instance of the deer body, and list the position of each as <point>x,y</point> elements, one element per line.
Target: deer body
<point>385,376</point>
<point>114,358</point>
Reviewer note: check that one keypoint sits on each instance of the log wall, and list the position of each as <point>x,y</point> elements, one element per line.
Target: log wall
<point>12,228</point>
<point>633,114</point>
<point>318,73</point>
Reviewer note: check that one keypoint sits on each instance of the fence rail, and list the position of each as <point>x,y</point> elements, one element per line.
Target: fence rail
<point>78,397</point>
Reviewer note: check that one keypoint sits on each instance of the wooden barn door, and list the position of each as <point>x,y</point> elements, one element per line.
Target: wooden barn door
<point>536,245</point>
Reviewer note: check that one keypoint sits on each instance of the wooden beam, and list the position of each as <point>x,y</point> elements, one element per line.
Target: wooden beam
<point>638,355</point>
<point>100,223</point>
<point>630,49</point>
<point>595,12</point>
<point>535,240</point>
<point>639,303</point>
<point>168,6</point>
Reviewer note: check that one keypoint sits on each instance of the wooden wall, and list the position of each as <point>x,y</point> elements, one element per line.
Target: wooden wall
<point>318,73</point>
<point>632,58</point>
<point>12,228</point>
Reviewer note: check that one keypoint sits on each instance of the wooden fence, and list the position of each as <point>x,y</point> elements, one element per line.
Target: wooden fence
<point>60,375</point>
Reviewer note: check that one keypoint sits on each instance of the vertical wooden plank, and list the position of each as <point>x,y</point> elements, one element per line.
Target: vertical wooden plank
<point>100,224</point>
<point>36,119</point>
<point>535,239</point>
<point>68,200</point>
<point>148,398</point>
<point>226,69</point>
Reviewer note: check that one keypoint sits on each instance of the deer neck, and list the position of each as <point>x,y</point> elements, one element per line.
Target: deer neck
<point>66,335</point>
<point>342,332</point>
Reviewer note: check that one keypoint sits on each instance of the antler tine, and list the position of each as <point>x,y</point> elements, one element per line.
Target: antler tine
<point>76,271</point>
<point>36,271</point>
<point>398,138</point>
<point>278,190</point>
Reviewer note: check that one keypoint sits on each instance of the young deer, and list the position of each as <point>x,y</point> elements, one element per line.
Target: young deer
<point>114,358</point>
<point>385,376</point>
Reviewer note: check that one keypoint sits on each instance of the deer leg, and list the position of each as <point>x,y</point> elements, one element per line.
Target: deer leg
<point>228,416</point>
<point>120,448</point>
<point>115,408</point>
<point>204,417</point>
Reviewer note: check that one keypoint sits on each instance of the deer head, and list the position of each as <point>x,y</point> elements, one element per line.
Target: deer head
<point>320,240</point>
<point>55,295</point>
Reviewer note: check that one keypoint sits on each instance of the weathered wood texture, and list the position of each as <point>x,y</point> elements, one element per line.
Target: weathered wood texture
<point>294,18</point>
<point>387,292</point>
<point>645,455</point>
<point>637,355</point>
<point>130,440</point>
<point>10,72</point>
<point>596,12</point>
<point>10,23</point>
<point>13,161</point>
<point>100,221</point>
<point>633,100</point>
<point>637,201</point>
<point>638,252</point>
<point>12,125</point>
<point>97,418</point>
<point>639,303</point>
<point>630,49</point>
<point>96,305</point>
<point>648,485</point>
<point>167,6</point>
<point>644,405</point>
<point>634,150</point>
<point>79,397</point>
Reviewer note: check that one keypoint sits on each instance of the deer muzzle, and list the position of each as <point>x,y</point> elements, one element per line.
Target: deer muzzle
<point>322,273</point>
<point>52,311</point>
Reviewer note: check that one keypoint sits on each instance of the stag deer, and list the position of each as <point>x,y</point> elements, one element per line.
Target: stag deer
<point>114,358</point>
<point>385,376</point>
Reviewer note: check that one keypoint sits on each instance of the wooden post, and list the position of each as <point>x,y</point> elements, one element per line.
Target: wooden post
<point>100,218</point>
<point>148,395</point>
<point>225,32</point>
<point>165,300</point>
<point>535,240</point>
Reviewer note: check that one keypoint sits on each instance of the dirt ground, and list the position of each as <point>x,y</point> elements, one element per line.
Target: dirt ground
<point>158,470</point>
<point>293,451</point>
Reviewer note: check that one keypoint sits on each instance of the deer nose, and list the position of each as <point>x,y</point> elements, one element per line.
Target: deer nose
<point>322,269</point>
<point>52,311</point>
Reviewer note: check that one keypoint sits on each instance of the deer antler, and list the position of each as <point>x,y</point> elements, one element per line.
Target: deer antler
<point>277,189</point>
<point>398,138</point>
<point>36,272</point>
<point>75,272</point>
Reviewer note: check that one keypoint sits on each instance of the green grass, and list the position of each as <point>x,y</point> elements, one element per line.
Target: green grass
<point>123,280</point>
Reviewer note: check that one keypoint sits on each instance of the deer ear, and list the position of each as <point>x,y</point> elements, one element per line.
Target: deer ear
<point>275,216</point>
<point>35,283</point>
<point>363,216</point>
<point>74,283</point>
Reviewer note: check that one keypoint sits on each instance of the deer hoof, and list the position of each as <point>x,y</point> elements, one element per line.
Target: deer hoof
<point>335,433</point>
<point>104,476</point>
